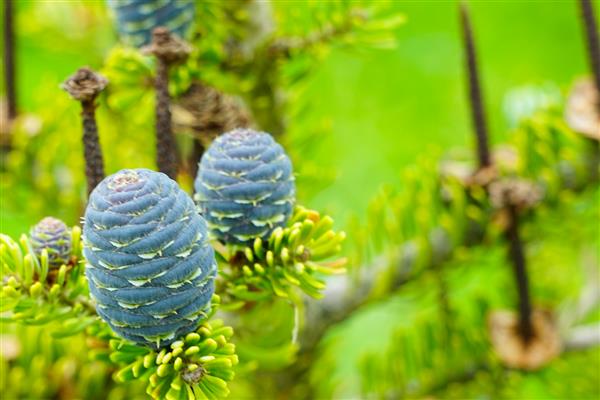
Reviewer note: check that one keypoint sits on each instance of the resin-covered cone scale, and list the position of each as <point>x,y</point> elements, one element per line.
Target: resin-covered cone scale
<point>150,267</point>
<point>245,187</point>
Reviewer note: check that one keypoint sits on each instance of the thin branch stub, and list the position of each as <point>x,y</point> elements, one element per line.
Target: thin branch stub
<point>167,46</point>
<point>85,84</point>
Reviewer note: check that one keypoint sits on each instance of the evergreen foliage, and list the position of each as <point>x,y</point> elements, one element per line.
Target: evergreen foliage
<point>270,312</point>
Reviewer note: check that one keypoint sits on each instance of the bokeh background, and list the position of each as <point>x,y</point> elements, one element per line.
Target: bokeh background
<point>370,113</point>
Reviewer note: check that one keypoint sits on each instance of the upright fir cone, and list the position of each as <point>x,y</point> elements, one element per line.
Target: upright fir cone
<point>150,266</point>
<point>245,186</point>
<point>475,95</point>
<point>208,113</point>
<point>168,49</point>
<point>84,86</point>
<point>54,236</point>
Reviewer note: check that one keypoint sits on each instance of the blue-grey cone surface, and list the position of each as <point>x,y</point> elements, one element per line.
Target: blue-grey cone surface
<point>150,267</point>
<point>137,18</point>
<point>53,235</point>
<point>245,186</point>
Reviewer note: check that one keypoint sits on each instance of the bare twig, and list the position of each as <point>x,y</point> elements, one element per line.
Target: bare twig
<point>517,258</point>
<point>9,59</point>
<point>475,95</point>
<point>592,41</point>
<point>84,86</point>
<point>510,196</point>
<point>168,50</point>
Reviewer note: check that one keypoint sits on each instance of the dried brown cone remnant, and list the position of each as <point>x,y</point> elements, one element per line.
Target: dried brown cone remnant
<point>544,345</point>
<point>514,192</point>
<point>505,159</point>
<point>207,113</point>
<point>168,50</point>
<point>582,111</point>
<point>582,114</point>
<point>84,86</point>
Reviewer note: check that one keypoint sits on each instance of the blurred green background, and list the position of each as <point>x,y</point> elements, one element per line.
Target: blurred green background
<point>384,109</point>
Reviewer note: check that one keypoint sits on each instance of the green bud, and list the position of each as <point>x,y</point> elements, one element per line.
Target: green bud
<point>259,268</point>
<point>167,358</point>
<point>163,370</point>
<point>285,255</point>
<point>177,364</point>
<point>9,291</point>
<point>149,359</point>
<point>62,273</point>
<point>192,338</point>
<point>177,351</point>
<point>12,282</point>
<point>36,289</point>
<point>160,356</point>
<point>249,254</point>
<point>307,227</point>
<point>258,248</point>
<point>192,350</point>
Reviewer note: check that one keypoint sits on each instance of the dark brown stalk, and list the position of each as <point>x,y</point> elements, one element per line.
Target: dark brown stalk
<point>166,150</point>
<point>517,258</point>
<point>84,86</point>
<point>475,95</point>
<point>197,152</point>
<point>9,59</point>
<point>592,41</point>
<point>593,47</point>
<point>94,165</point>
<point>168,50</point>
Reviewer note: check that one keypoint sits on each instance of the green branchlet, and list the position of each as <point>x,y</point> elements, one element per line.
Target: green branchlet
<point>198,366</point>
<point>293,257</point>
<point>35,294</point>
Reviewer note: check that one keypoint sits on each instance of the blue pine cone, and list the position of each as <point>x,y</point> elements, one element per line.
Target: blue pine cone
<point>53,235</point>
<point>137,18</point>
<point>245,187</point>
<point>150,267</point>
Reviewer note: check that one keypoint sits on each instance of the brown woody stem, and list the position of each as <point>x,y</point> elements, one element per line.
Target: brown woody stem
<point>475,95</point>
<point>517,258</point>
<point>84,86</point>
<point>9,59</point>
<point>592,41</point>
<point>168,50</point>
<point>166,150</point>
<point>94,165</point>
